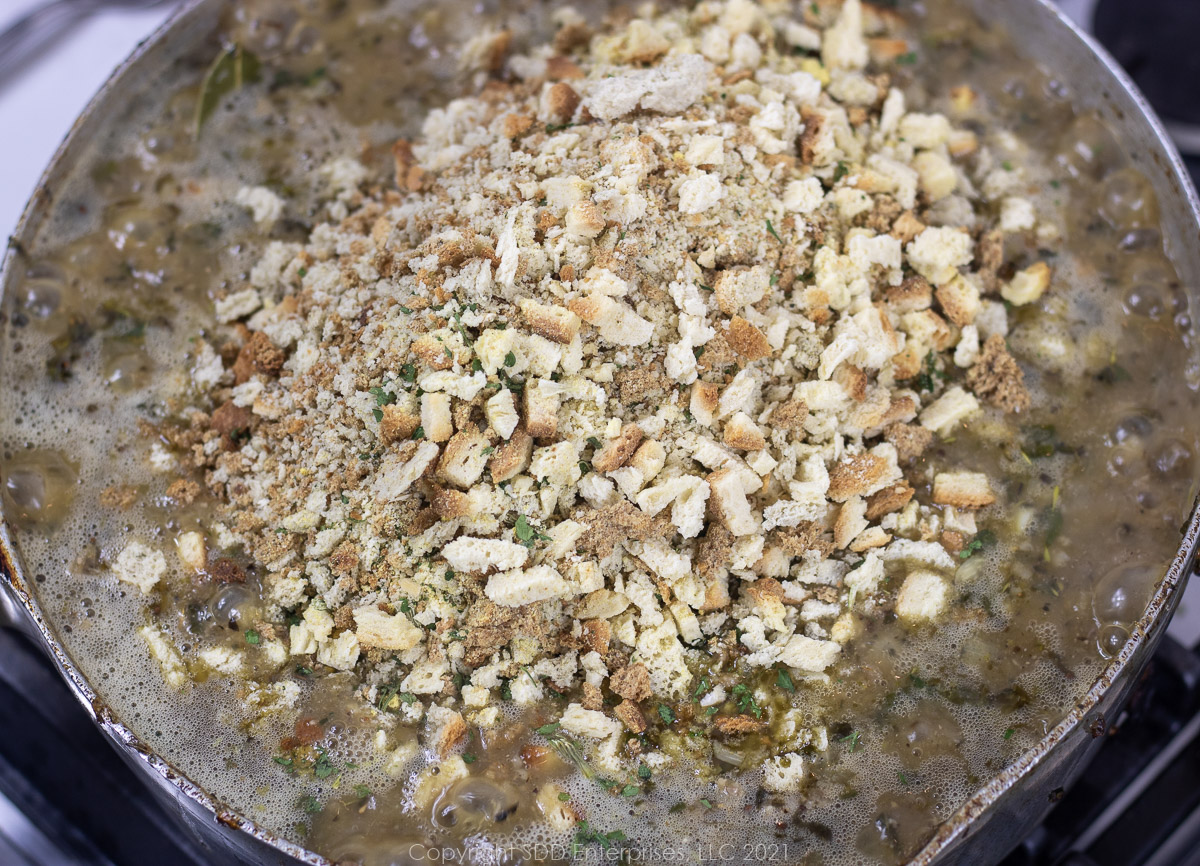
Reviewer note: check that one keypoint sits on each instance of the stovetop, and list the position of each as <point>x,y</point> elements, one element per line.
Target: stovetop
<point>1138,803</point>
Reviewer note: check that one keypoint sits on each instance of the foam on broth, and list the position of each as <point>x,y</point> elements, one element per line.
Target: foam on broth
<point>146,230</point>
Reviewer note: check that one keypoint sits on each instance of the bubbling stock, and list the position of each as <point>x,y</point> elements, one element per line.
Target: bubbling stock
<point>95,321</point>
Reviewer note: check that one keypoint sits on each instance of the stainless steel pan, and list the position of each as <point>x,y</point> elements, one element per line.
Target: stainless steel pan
<point>1001,812</point>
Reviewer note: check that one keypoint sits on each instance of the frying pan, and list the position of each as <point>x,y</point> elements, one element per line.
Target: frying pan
<point>992,821</point>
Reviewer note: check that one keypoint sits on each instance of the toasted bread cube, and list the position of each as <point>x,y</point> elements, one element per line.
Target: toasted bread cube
<point>435,416</point>
<point>962,489</point>
<point>1028,285</point>
<point>464,459</point>
<point>741,432</point>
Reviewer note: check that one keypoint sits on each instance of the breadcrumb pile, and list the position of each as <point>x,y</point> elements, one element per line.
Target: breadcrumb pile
<point>637,367</point>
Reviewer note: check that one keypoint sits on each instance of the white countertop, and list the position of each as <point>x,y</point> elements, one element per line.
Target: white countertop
<point>38,108</point>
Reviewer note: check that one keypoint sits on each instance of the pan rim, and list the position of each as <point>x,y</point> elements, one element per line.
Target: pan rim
<point>1143,636</point>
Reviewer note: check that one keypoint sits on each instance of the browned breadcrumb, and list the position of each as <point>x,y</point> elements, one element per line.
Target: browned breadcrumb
<point>801,538</point>
<point>597,634</point>
<point>889,499</point>
<point>910,440</point>
<point>855,475</point>
<point>953,540</point>
<point>631,716</point>
<point>790,415</point>
<point>511,458</point>
<point>397,424</point>
<point>592,698</point>
<point>258,356</point>
<point>914,293</point>
<point>747,340</point>
<point>183,491</point>
<point>119,496</point>
<point>562,100</point>
<point>631,682</point>
<point>616,452</point>
<point>989,253</point>
<point>612,525</point>
<point>225,570</point>
<point>997,378</point>
<point>637,385</point>
<point>739,725</point>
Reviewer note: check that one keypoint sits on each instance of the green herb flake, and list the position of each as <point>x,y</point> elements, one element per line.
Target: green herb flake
<point>907,59</point>
<point>745,700</point>
<point>706,803</point>
<point>983,538</point>
<point>468,758</point>
<point>563,796</point>
<point>323,767</point>
<point>771,231</point>
<point>783,679</point>
<point>510,360</point>
<point>1008,732</point>
<point>362,792</point>
<point>252,637</point>
<point>643,771</point>
<point>419,433</point>
<point>549,730</point>
<point>304,671</point>
<point>310,804</point>
<point>841,171</point>
<point>382,397</point>
<point>854,740</point>
<point>230,71</point>
<point>666,714</point>
<point>630,791</point>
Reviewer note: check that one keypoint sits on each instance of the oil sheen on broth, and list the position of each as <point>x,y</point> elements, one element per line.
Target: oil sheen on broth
<point>1101,473</point>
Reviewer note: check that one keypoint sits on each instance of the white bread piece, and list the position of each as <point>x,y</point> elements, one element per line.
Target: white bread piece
<point>395,476</point>
<point>1028,285</point>
<point>851,521</point>
<point>946,411</point>
<point>938,252</point>
<point>464,459</point>
<point>729,503</point>
<point>783,773</point>
<point>501,413</point>
<point>809,654</point>
<point>140,565</point>
<point>193,552</point>
<point>614,320</point>
<point>923,597</point>
<point>470,554</point>
<point>736,289</point>
<point>592,724</point>
<point>523,586</point>
<point>938,177</point>
<point>375,628</point>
